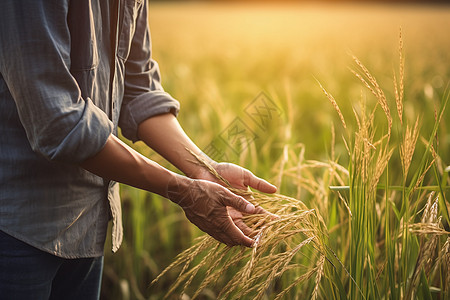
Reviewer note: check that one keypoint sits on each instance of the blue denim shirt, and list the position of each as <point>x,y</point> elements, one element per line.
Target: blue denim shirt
<point>71,72</point>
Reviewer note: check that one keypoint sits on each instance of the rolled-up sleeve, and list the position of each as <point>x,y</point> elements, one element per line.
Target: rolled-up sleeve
<point>35,63</point>
<point>144,95</point>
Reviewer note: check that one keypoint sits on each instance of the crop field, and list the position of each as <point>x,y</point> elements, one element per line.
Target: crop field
<point>339,105</point>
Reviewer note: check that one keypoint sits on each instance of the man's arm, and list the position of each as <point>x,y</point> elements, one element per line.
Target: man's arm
<point>164,134</point>
<point>204,202</point>
<point>118,162</point>
<point>148,113</point>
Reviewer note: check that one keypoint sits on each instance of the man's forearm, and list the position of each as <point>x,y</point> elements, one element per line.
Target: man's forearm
<point>164,134</point>
<point>204,202</point>
<point>118,162</point>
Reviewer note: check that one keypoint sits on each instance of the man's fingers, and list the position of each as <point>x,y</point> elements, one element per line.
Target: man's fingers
<point>258,183</point>
<point>262,211</point>
<point>244,228</point>
<point>238,203</point>
<point>228,233</point>
<point>236,216</point>
<point>242,205</point>
<point>236,235</point>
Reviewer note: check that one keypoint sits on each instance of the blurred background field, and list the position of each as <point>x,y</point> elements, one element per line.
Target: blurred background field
<point>217,58</point>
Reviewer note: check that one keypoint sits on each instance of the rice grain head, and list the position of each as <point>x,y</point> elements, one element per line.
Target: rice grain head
<point>399,86</point>
<point>319,274</point>
<point>445,262</point>
<point>334,103</point>
<point>374,87</point>
<point>408,146</point>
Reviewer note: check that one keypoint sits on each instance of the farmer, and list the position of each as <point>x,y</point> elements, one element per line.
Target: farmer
<point>71,73</point>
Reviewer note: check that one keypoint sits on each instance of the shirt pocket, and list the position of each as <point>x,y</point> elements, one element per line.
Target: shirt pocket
<point>130,9</point>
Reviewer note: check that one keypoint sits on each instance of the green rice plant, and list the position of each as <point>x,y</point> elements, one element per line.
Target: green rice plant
<point>374,229</point>
<point>397,270</point>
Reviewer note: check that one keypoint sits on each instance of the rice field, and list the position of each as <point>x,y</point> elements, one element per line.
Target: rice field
<point>338,111</point>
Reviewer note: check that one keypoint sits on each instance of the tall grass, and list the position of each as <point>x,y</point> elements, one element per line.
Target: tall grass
<point>387,241</point>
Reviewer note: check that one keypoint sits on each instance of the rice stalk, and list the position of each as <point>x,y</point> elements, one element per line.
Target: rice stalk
<point>426,229</point>
<point>202,243</point>
<point>209,258</point>
<point>333,142</point>
<point>296,282</point>
<point>422,176</point>
<point>372,84</point>
<point>282,163</point>
<point>345,204</point>
<point>429,227</point>
<point>445,263</point>
<point>399,86</point>
<point>408,146</point>
<point>319,273</point>
<point>381,163</point>
<point>334,103</point>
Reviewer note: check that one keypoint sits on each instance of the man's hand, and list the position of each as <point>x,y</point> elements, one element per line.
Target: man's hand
<point>239,178</point>
<point>211,207</point>
<point>205,204</point>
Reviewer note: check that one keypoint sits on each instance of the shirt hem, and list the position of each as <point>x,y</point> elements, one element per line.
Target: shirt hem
<point>88,254</point>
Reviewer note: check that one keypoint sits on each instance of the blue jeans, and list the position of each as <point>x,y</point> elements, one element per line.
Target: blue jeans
<point>29,273</point>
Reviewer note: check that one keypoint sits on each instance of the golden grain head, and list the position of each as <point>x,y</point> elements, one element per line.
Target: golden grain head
<point>334,103</point>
